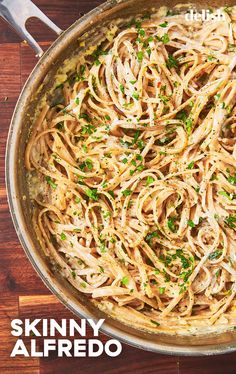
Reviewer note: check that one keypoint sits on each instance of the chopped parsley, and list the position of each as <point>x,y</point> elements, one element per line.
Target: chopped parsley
<point>226,194</point>
<point>164,24</point>
<point>215,255</point>
<point>50,182</point>
<point>185,275</point>
<point>227,9</point>
<point>223,105</point>
<point>139,157</point>
<point>185,262</point>
<point>63,236</point>
<point>141,32</point>
<point>191,223</point>
<point>217,273</point>
<point>211,58</point>
<point>103,248</point>
<point>136,136</point>
<point>155,322</point>
<point>164,99</point>
<point>60,126</point>
<point>151,236</point>
<point>172,12</point>
<point>125,281</point>
<point>140,144</point>
<point>140,56</point>
<point>107,214</point>
<point>135,95</point>
<point>101,269</point>
<point>126,192</point>
<point>189,125</point>
<point>73,273</point>
<point>231,221</point>
<point>86,164</point>
<point>161,290</point>
<point>232,179</point>
<point>140,168</point>
<point>122,88</point>
<point>172,62</point>
<point>182,115</point>
<point>149,180</point>
<point>190,165</point>
<point>112,194</point>
<point>182,288</point>
<point>80,75</point>
<point>164,39</point>
<point>92,194</point>
<point>171,224</point>
<point>85,116</point>
<point>88,129</point>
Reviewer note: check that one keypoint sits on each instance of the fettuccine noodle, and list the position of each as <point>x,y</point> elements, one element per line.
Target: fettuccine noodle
<point>133,173</point>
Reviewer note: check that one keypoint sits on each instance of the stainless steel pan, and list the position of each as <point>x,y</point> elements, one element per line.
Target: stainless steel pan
<point>17,12</point>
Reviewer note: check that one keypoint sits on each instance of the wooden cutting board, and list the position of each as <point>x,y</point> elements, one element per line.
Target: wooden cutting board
<point>22,293</point>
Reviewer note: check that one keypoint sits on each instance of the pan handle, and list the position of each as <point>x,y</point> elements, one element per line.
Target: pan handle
<point>16,13</point>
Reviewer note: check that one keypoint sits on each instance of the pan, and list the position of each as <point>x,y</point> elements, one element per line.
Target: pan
<point>87,28</point>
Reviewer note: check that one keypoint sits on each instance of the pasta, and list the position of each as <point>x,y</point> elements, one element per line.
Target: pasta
<point>132,170</point>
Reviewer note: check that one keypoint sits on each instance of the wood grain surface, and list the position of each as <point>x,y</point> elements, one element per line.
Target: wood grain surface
<point>22,293</point>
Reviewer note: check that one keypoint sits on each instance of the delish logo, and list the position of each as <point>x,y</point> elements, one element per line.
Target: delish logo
<point>205,15</point>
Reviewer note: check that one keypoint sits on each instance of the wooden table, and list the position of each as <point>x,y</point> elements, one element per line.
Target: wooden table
<point>22,293</point>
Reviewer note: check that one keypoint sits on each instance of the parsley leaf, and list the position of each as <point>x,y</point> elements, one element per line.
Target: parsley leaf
<point>171,224</point>
<point>191,223</point>
<point>125,281</point>
<point>161,290</point>
<point>88,129</point>
<point>172,62</point>
<point>190,165</point>
<point>155,322</point>
<point>185,262</point>
<point>232,179</point>
<point>92,194</point>
<point>182,115</point>
<point>164,99</point>
<point>135,95</point>
<point>164,39</point>
<point>149,180</point>
<point>225,194</point>
<point>50,182</point>
<point>86,164</point>
<point>140,56</point>
<point>215,255</point>
<point>126,192</point>
<point>231,221</point>
<point>189,125</point>
<point>164,24</point>
<point>150,236</point>
<point>63,236</point>
<point>122,88</point>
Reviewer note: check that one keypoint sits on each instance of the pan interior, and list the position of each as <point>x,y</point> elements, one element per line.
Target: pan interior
<point>87,30</point>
